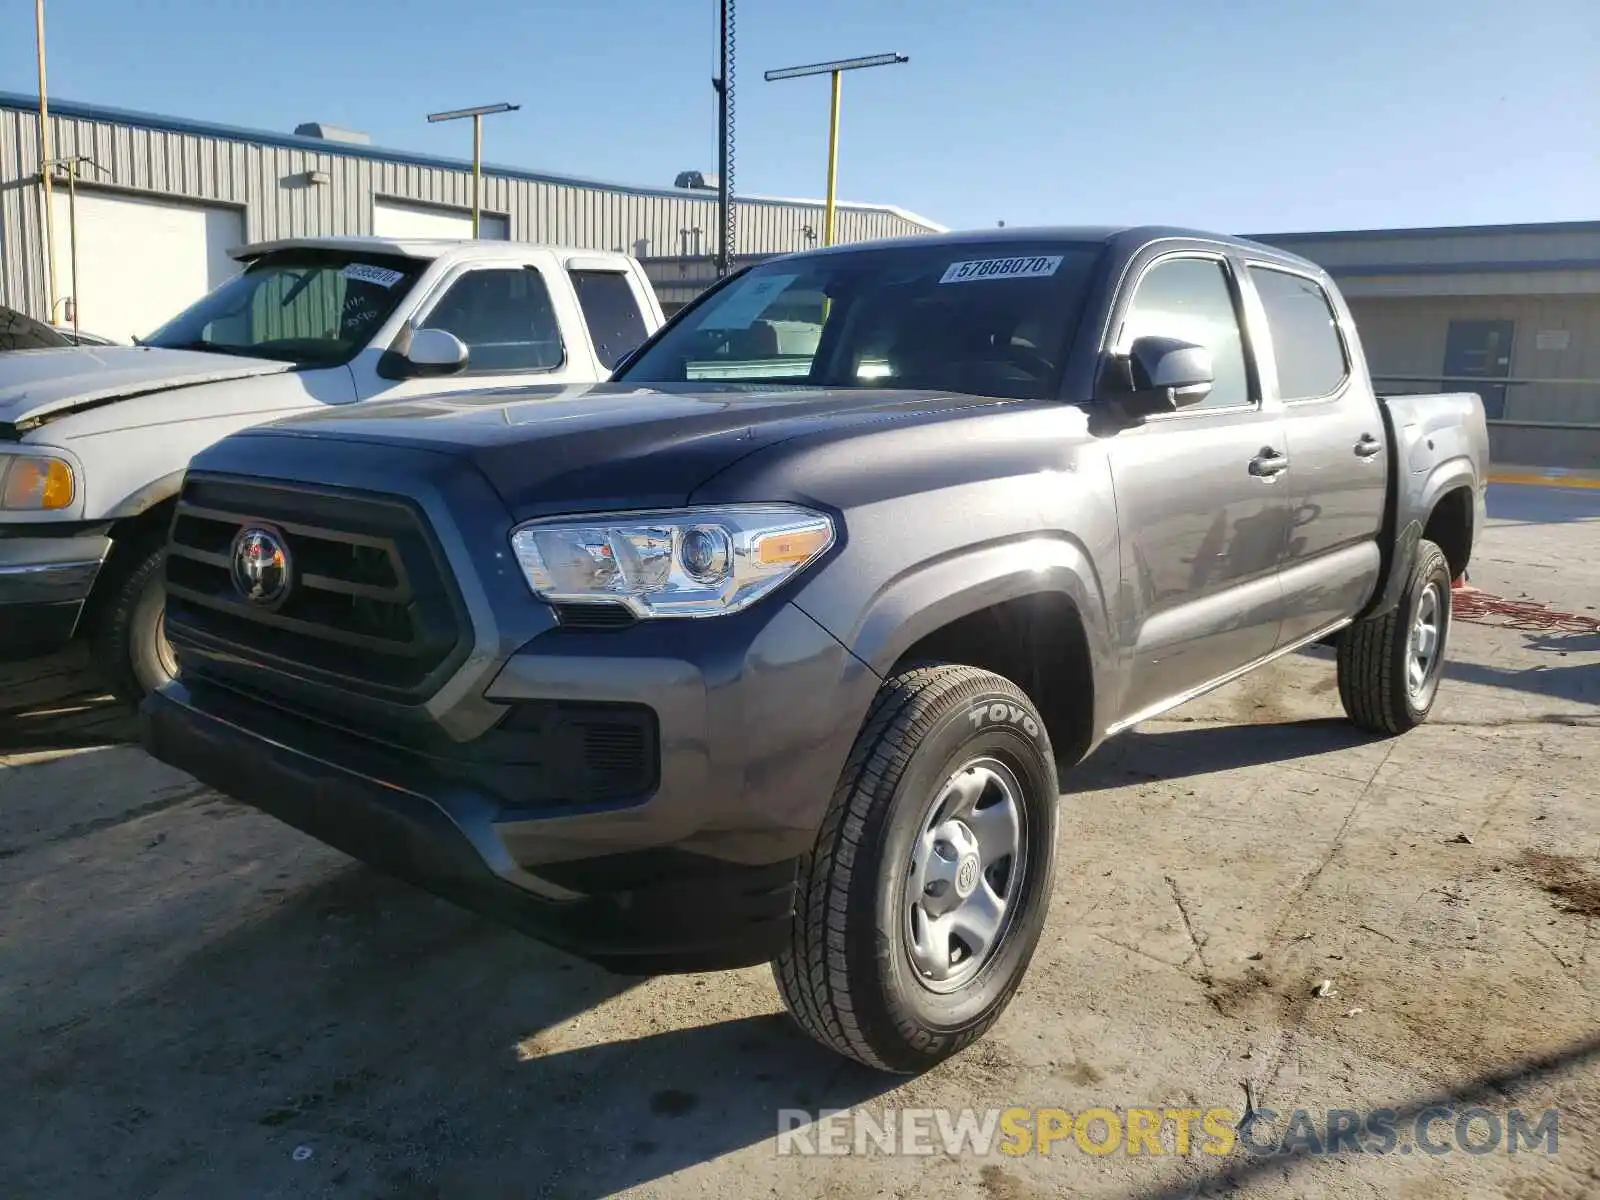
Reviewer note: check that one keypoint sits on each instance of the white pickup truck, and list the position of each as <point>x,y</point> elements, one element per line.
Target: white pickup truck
<point>94,440</point>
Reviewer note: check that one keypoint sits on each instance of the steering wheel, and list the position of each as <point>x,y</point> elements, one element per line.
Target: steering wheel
<point>1023,357</point>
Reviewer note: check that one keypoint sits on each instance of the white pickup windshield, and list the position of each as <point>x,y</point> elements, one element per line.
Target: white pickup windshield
<point>311,307</point>
<point>987,318</point>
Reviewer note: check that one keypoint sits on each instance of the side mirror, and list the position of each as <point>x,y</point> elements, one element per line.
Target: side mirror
<point>436,352</point>
<point>1160,374</point>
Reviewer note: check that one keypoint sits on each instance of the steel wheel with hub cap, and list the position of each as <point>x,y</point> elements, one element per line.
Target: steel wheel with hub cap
<point>1390,665</point>
<point>964,871</point>
<point>920,907</point>
<point>1427,640</point>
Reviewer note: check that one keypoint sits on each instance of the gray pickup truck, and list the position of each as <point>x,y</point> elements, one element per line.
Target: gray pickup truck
<point>773,648</point>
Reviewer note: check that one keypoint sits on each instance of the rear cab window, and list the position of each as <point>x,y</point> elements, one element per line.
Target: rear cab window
<point>1306,343</point>
<point>611,310</point>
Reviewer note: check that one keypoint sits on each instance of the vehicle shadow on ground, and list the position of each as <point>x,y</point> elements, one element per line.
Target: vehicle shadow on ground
<point>1566,643</point>
<point>76,722</point>
<point>1579,683</point>
<point>418,1050</point>
<point>1204,749</point>
<point>1510,504</point>
<point>1496,1091</point>
<point>57,704</point>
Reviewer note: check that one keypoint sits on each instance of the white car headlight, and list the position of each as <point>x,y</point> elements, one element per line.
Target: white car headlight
<point>30,483</point>
<point>697,562</point>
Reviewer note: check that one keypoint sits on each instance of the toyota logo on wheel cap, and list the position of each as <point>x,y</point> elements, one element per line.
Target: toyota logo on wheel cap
<point>261,565</point>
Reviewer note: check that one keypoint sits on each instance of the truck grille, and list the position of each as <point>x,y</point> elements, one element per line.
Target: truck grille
<point>368,605</point>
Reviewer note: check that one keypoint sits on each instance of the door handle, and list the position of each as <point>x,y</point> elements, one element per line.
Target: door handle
<point>1368,446</point>
<point>1269,464</point>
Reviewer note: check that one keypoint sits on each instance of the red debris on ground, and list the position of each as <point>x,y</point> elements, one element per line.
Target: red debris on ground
<point>1467,603</point>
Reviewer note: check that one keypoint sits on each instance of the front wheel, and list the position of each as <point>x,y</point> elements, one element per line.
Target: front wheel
<point>1389,666</point>
<point>921,904</point>
<point>131,650</point>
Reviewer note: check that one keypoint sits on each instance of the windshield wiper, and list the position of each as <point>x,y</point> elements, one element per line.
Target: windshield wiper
<point>207,348</point>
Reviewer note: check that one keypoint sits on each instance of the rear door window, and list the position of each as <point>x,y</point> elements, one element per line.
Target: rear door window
<point>1305,334</point>
<point>612,313</point>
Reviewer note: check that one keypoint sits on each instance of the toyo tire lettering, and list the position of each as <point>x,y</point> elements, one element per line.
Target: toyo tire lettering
<point>998,713</point>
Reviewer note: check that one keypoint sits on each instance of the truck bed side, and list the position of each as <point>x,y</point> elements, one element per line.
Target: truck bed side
<point>1438,473</point>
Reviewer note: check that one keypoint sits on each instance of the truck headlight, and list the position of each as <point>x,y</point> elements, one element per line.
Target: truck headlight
<point>697,562</point>
<point>35,484</point>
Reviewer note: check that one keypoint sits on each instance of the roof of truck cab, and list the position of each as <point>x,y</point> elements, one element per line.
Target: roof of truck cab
<point>1065,235</point>
<point>411,247</point>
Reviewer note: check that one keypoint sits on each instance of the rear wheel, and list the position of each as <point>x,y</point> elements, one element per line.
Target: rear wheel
<point>1390,666</point>
<point>922,902</point>
<point>131,649</point>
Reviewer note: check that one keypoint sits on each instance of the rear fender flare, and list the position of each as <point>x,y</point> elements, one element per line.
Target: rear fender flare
<point>1418,494</point>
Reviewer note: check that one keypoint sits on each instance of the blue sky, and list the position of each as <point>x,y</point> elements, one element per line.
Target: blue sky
<point>1238,115</point>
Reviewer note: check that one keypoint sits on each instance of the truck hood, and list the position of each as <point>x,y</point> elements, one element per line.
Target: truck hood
<point>611,445</point>
<point>34,387</point>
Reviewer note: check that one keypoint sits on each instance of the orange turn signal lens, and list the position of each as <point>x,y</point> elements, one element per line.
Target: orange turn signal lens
<point>37,484</point>
<point>788,546</point>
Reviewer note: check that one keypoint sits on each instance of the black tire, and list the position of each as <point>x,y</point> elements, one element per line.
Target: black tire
<point>130,647</point>
<point>847,975</point>
<point>1375,655</point>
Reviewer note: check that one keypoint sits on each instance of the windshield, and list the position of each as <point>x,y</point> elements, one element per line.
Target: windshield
<point>312,307</point>
<point>19,332</point>
<point>986,318</point>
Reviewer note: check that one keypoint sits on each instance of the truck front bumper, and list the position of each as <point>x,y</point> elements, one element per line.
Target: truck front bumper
<point>754,719</point>
<point>44,582</point>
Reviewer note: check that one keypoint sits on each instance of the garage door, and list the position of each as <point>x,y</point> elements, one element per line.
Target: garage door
<point>141,261</point>
<point>393,219</point>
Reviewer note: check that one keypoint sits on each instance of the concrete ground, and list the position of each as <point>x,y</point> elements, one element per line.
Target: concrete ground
<point>198,1002</point>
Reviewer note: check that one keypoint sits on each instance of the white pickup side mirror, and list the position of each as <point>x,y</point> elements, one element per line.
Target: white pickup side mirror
<point>436,352</point>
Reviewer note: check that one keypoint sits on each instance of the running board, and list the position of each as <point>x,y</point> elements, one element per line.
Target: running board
<point>1155,710</point>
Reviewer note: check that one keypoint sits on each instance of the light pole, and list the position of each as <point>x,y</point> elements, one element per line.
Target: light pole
<point>477,115</point>
<point>727,221</point>
<point>46,153</point>
<point>835,69</point>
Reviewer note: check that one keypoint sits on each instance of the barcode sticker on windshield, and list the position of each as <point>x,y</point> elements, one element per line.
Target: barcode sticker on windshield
<point>1028,267</point>
<point>364,273</point>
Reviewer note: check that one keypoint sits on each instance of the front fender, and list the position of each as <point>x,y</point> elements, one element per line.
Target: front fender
<point>932,595</point>
<point>144,499</point>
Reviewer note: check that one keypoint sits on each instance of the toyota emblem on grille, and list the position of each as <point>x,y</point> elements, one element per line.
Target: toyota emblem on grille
<point>260,565</point>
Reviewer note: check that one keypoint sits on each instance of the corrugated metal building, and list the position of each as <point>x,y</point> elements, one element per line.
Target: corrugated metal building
<point>1511,312</point>
<point>170,196</point>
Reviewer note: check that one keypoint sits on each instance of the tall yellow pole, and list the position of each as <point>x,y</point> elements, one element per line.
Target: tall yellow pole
<point>833,164</point>
<point>46,154</point>
<point>477,169</point>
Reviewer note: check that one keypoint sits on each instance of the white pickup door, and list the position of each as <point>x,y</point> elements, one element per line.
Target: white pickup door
<point>529,315</point>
